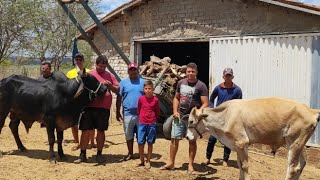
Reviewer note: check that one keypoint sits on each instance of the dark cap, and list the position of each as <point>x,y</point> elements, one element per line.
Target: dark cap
<point>79,55</point>
<point>227,71</point>
<point>132,65</point>
<point>46,63</point>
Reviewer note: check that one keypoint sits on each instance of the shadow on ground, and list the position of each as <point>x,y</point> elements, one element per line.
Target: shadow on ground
<point>43,155</point>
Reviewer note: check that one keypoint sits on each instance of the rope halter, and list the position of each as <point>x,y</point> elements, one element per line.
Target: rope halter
<point>92,93</point>
<point>195,128</point>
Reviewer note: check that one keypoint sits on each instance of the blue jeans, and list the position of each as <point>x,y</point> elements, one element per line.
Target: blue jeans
<point>211,143</point>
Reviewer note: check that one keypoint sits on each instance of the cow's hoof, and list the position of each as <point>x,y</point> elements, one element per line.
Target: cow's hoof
<point>63,158</point>
<point>22,149</point>
<point>53,160</point>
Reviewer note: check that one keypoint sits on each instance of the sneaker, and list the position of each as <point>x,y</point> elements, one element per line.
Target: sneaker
<point>82,158</point>
<point>127,158</point>
<point>100,159</point>
<point>225,163</point>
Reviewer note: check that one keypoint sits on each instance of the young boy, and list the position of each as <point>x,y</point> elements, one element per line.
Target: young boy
<point>148,112</point>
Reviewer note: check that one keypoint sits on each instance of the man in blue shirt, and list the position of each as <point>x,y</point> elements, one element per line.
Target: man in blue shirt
<point>225,91</point>
<point>131,89</point>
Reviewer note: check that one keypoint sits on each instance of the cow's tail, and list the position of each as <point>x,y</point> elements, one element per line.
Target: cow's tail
<point>3,116</point>
<point>4,111</point>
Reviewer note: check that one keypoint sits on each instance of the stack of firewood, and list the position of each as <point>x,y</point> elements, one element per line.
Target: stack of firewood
<point>162,69</point>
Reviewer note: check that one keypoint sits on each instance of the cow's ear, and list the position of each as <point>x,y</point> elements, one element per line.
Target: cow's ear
<point>79,71</point>
<point>84,72</point>
<point>203,116</point>
<point>194,111</point>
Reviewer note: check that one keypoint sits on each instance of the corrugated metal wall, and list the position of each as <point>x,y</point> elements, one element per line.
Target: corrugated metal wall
<point>279,65</point>
<point>315,85</point>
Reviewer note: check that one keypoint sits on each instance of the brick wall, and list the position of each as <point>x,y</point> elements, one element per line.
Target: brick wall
<point>198,18</point>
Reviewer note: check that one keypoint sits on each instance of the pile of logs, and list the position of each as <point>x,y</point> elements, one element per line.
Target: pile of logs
<point>162,69</point>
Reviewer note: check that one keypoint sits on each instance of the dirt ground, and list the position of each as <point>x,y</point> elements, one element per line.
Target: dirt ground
<point>33,164</point>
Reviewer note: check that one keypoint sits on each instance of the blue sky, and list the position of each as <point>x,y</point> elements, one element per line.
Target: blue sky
<point>314,2</point>
<point>109,5</point>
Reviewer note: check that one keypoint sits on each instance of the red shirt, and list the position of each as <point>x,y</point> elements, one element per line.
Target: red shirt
<point>106,100</point>
<point>148,109</point>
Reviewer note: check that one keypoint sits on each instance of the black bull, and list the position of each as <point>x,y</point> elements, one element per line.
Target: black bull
<point>56,102</point>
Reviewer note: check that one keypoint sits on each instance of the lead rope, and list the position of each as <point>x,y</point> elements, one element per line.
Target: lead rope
<point>91,92</point>
<point>176,120</point>
<point>174,130</point>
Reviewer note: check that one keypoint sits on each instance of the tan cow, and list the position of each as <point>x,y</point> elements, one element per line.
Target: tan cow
<point>271,121</point>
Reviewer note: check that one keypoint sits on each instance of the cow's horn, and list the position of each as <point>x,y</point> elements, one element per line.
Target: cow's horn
<point>84,72</point>
<point>78,69</point>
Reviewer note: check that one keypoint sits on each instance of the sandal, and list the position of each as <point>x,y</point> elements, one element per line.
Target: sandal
<point>207,162</point>
<point>193,172</point>
<point>165,167</point>
<point>140,164</point>
<point>147,166</point>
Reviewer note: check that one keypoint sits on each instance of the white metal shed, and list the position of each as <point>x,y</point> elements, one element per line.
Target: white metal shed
<point>272,65</point>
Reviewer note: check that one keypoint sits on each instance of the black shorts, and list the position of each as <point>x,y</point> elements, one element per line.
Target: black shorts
<point>94,118</point>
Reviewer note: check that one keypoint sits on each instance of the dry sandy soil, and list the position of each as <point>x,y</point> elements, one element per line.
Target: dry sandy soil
<point>33,164</point>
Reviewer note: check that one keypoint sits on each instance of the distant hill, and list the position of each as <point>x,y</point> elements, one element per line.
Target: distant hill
<point>34,61</point>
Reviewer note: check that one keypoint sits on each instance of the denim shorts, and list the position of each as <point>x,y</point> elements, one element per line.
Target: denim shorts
<point>147,132</point>
<point>130,126</point>
<point>179,129</point>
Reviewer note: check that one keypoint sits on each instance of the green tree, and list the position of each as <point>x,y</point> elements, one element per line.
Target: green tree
<point>52,31</point>
<point>13,26</point>
<point>86,50</point>
<point>39,28</point>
